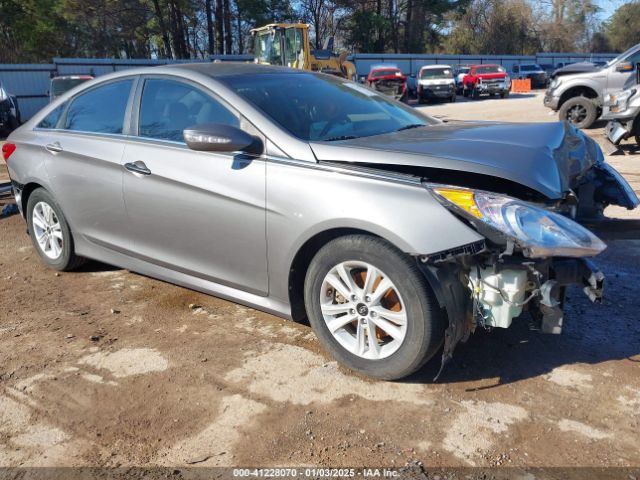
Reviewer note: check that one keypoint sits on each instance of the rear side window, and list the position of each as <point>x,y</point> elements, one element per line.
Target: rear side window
<point>101,109</point>
<point>51,120</point>
<point>168,107</point>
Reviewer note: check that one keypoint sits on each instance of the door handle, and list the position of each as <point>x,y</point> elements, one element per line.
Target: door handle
<point>54,147</point>
<point>138,167</point>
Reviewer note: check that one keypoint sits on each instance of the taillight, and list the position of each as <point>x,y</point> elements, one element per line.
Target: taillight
<point>7,150</point>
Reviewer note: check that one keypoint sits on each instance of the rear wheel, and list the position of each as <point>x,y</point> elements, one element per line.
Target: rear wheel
<point>371,307</point>
<point>49,232</point>
<point>581,112</point>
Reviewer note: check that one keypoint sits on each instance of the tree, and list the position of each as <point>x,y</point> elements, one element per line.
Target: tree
<point>623,29</point>
<point>494,27</point>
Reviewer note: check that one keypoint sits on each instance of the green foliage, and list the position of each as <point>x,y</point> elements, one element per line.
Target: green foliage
<point>623,29</point>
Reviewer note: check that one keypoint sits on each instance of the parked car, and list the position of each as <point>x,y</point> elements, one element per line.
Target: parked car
<point>388,80</point>
<point>459,73</point>
<point>577,91</point>
<point>622,110</point>
<point>63,84</point>
<point>486,79</point>
<point>532,71</point>
<point>10,117</point>
<point>436,82</point>
<point>307,195</point>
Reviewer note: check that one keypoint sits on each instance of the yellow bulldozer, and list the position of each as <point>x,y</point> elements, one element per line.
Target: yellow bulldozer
<point>287,44</point>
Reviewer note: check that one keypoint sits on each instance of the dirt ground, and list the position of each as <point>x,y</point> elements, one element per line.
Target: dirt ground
<point>104,367</point>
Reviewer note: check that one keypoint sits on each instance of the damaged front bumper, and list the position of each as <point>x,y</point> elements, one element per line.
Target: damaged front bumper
<point>617,130</point>
<point>488,291</point>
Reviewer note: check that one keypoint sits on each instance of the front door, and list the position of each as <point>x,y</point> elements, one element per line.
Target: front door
<point>200,213</point>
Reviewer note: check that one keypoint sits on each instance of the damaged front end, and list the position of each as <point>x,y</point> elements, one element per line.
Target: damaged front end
<point>529,257</point>
<point>393,86</point>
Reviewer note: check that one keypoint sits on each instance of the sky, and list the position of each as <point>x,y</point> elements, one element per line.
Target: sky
<point>608,7</point>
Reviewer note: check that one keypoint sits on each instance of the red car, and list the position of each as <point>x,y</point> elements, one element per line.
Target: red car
<point>486,79</point>
<point>388,80</point>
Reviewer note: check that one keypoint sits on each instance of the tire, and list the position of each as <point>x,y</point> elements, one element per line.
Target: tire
<point>453,98</point>
<point>392,356</point>
<point>61,255</point>
<point>579,111</point>
<point>504,94</point>
<point>475,94</point>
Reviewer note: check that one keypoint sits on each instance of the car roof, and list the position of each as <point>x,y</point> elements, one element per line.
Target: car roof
<point>486,65</point>
<point>435,65</point>
<point>221,69</point>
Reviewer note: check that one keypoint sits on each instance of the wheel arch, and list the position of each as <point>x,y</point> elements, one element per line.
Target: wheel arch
<point>577,91</point>
<point>27,190</point>
<point>302,259</point>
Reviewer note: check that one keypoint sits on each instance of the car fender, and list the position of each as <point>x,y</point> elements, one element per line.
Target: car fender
<point>400,210</point>
<point>595,84</point>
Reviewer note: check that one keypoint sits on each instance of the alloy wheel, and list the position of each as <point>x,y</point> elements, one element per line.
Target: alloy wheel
<point>363,310</point>
<point>576,114</point>
<point>47,230</point>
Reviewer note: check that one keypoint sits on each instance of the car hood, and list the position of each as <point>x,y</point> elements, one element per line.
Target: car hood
<point>549,158</point>
<point>581,67</point>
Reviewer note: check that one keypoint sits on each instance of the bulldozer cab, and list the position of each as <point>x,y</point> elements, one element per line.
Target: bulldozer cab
<point>282,44</point>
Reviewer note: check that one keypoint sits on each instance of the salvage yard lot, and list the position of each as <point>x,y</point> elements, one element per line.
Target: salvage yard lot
<point>104,367</point>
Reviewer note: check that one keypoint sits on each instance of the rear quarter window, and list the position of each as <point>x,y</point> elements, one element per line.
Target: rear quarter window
<point>51,120</point>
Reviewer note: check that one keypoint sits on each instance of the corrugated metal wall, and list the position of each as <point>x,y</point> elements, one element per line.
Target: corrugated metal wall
<point>410,64</point>
<point>30,82</point>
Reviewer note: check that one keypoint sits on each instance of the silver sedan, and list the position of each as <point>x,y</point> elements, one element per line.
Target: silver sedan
<point>306,195</point>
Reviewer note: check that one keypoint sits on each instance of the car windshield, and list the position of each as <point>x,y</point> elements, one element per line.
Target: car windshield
<point>529,68</point>
<point>62,85</point>
<point>317,107</point>
<point>435,73</point>
<point>490,69</point>
<point>463,70</point>
<point>386,72</point>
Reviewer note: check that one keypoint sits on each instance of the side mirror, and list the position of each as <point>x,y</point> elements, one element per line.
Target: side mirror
<point>624,67</point>
<point>216,137</point>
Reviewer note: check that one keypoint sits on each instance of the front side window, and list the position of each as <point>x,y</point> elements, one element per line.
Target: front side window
<point>51,120</point>
<point>168,107</point>
<point>101,109</point>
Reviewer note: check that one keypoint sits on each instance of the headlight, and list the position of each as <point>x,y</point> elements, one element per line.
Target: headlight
<point>618,101</point>
<point>539,232</point>
<point>555,82</point>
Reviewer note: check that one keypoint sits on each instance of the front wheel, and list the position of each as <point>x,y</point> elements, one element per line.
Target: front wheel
<point>50,233</point>
<point>581,112</point>
<point>372,308</point>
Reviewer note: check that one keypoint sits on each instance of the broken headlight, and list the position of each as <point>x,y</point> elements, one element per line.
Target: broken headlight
<point>618,102</point>
<point>538,232</point>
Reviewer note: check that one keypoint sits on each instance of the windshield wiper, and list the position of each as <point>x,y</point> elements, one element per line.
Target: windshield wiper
<point>410,126</point>
<point>341,137</point>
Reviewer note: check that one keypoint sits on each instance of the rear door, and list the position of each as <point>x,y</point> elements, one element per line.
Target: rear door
<point>83,149</point>
<point>199,213</point>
